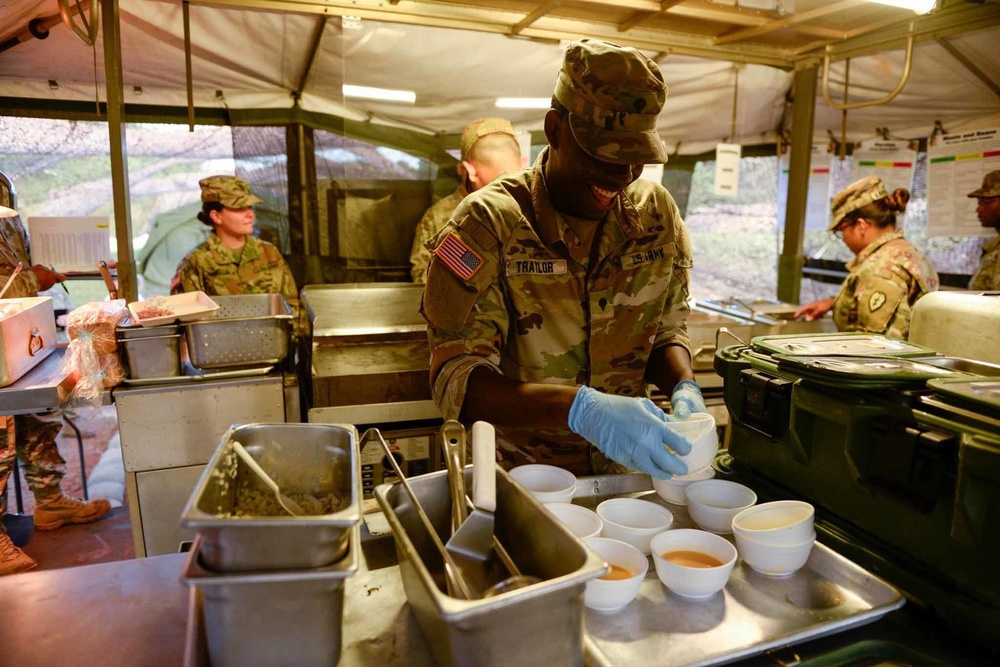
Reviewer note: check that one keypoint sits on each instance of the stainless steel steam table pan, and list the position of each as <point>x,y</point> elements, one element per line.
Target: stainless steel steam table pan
<point>292,617</point>
<point>314,459</point>
<point>541,624</point>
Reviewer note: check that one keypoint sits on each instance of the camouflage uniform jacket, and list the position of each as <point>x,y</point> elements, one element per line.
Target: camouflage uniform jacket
<point>432,222</point>
<point>884,282</point>
<point>987,276</point>
<point>535,313</point>
<point>217,270</point>
<point>34,442</point>
<point>14,249</point>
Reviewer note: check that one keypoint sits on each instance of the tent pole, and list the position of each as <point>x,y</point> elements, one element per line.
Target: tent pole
<point>803,115</point>
<point>127,285</point>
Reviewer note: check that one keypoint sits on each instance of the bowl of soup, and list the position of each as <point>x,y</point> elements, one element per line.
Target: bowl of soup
<point>621,584</point>
<point>693,563</point>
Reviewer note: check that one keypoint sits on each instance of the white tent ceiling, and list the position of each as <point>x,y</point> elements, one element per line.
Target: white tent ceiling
<point>257,58</point>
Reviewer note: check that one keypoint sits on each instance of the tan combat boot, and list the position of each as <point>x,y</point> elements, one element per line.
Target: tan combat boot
<point>57,511</point>
<point>12,559</point>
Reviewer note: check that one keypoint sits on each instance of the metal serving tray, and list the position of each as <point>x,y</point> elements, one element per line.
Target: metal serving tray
<point>753,614</point>
<point>272,618</point>
<point>246,330</point>
<point>537,625</point>
<point>302,458</point>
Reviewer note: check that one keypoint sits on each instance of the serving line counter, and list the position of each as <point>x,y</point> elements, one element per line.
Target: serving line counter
<point>138,612</point>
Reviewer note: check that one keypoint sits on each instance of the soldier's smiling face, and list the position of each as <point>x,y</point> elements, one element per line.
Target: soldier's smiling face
<point>579,184</point>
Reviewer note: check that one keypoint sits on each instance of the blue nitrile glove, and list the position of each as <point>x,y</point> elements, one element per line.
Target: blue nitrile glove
<point>630,431</point>
<point>687,399</point>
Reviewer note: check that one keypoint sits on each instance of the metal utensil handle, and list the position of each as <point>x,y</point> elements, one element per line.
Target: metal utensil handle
<point>109,282</point>
<point>17,270</point>
<point>724,331</point>
<point>454,574</point>
<point>451,438</point>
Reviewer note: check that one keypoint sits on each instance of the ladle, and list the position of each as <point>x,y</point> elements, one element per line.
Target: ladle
<point>287,503</point>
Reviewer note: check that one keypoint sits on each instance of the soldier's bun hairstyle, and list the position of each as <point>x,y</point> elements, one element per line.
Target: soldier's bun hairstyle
<point>898,200</point>
<point>882,212</point>
<point>206,208</point>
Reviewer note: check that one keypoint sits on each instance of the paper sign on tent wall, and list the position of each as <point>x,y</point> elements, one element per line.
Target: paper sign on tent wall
<point>69,243</point>
<point>727,169</point>
<point>956,164</point>
<point>892,161</point>
<point>818,196</point>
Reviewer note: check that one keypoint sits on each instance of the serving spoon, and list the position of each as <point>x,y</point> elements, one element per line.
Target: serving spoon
<point>287,503</point>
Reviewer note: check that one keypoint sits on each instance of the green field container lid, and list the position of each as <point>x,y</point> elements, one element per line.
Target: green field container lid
<point>856,372</point>
<point>853,343</point>
<point>983,393</point>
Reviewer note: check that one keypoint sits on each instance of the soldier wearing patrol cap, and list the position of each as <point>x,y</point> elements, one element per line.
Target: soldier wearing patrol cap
<point>489,148</point>
<point>987,276</point>
<point>556,294</point>
<point>233,260</point>
<point>887,275</point>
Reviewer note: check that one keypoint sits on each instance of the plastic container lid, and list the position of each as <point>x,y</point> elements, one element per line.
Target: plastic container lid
<point>849,371</point>
<point>853,343</point>
<point>983,392</point>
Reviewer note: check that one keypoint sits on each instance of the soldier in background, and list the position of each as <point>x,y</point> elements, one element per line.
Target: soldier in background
<point>987,276</point>
<point>556,294</point>
<point>31,439</point>
<point>887,275</point>
<point>233,260</point>
<point>489,149</point>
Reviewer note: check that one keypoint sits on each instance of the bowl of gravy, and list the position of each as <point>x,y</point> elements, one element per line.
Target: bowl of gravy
<point>620,585</point>
<point>693,563</point>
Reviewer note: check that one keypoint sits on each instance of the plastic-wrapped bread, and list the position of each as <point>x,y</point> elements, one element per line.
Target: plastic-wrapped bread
<point>97,321</point>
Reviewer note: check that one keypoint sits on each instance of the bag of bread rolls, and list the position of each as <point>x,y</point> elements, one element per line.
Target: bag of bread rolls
<point>92,356</point>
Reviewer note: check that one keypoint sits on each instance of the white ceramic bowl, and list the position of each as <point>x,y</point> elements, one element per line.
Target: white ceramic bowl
<point>672,490</point>
<point>699,430</point>
<point>548,484</point>
<point>782,522</point>
<point>693,582</point>
<point>713,503</point>
<point>633,521</point>
<point>581,521</point>
<point>772,560</point>
<point>612,594</point>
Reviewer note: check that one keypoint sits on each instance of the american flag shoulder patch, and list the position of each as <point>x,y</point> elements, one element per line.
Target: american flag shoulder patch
<point>463,261</point>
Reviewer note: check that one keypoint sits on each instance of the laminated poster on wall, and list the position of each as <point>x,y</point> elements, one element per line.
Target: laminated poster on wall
<point>818,197</point>
<point>727,169</point>
<point>890,160</point>
<point>956,164</point>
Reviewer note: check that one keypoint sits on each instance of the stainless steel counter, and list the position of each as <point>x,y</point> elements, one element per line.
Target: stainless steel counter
<point>135,612</point>
<point>41,389</point>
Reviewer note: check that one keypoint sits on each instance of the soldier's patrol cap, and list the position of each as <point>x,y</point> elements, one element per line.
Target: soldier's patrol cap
<point>231,191</point>
<point>991,186</point>
<point>478,129</point>
<point>856,195</point>
<point>614,95</point>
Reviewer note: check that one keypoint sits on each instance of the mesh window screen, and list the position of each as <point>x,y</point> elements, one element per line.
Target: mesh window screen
<point>734,239</point>
<point>261,157</point>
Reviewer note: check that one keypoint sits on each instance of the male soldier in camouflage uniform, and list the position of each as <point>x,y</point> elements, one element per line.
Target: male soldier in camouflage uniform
<point>987,276</point>
<point>31,438</point>
<point>887,275</point>
<point>233,260</point>
<point>557,293</point>
<point>489,149</point>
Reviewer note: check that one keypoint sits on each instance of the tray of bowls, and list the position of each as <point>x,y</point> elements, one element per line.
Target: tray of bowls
<point>701,574</point>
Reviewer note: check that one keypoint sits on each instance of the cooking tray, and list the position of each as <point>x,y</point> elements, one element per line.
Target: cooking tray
<point>538,625</point>
<point>303,458</point>
<point>271,618</point>
<point>184,308</point>
<point>246,330</point>
<point>753,614</point>
<point>192,374</point>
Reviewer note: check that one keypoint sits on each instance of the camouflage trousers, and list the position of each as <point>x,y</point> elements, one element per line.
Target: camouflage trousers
<point>32,440</point>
